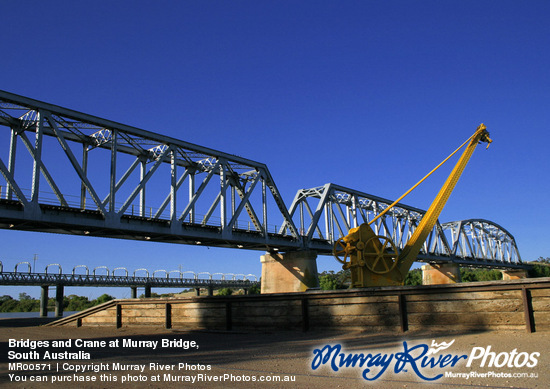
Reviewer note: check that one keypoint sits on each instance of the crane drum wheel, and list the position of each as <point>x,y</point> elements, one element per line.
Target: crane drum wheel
<point>374,260</point>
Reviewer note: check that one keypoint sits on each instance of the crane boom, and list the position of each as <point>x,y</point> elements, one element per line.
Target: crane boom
<point>374,260</point>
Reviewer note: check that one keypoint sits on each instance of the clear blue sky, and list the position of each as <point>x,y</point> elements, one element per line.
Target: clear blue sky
<point>366,94</point>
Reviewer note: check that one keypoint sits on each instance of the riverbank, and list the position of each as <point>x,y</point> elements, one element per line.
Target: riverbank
<point>236,359</point>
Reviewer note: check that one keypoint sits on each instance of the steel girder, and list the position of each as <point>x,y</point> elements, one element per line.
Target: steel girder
<point>90,176</point>
<point>328,212</point>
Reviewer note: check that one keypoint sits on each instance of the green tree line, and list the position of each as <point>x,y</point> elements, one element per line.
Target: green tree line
<point>341,280</point>
<point>26,303</point>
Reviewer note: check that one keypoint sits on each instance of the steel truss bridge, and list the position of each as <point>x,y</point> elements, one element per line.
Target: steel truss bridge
<point>159,278</point>
<point>83,175</point>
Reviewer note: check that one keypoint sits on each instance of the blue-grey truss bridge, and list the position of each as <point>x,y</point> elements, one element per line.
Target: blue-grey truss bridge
<point>68,172</point>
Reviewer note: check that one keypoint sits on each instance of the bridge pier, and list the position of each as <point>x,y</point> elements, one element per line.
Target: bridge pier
<point>147,291</point>
<point>44,301</point>
<point>198,291</point>
<point>59,301</point>
<point>440,273</point>
<point>133,292</point>
<point>294,271</point>
<point>513,274</point>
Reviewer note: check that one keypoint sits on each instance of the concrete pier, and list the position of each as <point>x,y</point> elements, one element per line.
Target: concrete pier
<point>44,301</point>
<point>59,301</point>
<point>508,275</point>
<point>295,271</point>
<point>439,273</point>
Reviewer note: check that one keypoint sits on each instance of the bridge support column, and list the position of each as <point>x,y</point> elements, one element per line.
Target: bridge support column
<point>440,273</point>
<point>210,291</point>
<point>134,292</point>
<point>514,274</point>
<point>44,301</point>
<point>147,291</point>
<point>295,271</point>
<point>59,301</point>
<point>198,291</point>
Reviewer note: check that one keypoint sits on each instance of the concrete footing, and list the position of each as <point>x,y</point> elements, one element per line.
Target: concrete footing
<point>437,274</point>
<point>508,275</point>
<point>295,271</point>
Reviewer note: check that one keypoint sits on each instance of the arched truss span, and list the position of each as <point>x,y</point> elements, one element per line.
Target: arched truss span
<point>479,238</point>
<point>325,213</point>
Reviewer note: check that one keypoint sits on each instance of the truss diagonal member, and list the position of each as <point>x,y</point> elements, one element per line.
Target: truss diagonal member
<point>43,169</point>
<point>298,198</point>
<point>197,194</point>
<point>11,182</point>
<point>268,180</point>
<point>346,224</point>
<point>318,211</point>
<point>123,179</point>
<point>76,165</point>
<point>141,185</point>
<point>249,208</point>
<point>244,202</point>
<point>166,201</point>
<point>211,209</point>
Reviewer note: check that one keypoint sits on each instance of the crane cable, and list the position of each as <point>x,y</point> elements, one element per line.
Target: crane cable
<point>421,181</point>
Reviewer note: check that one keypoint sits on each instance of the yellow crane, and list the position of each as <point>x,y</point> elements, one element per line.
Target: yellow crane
<point>374,260</point>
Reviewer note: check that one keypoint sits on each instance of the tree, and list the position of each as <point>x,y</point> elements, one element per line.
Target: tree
<point>103,299</point>
<point>332,281</point>
<point>225,292</point>
<point>540,268</point>
<point>414,277</point>
<point>254,289</point>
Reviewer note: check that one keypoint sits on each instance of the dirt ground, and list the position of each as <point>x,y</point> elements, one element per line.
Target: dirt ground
<point>264,360</point>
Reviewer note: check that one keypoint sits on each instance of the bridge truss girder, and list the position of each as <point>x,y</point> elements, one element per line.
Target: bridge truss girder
<point>325,213</point>
<point>89,176</point>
